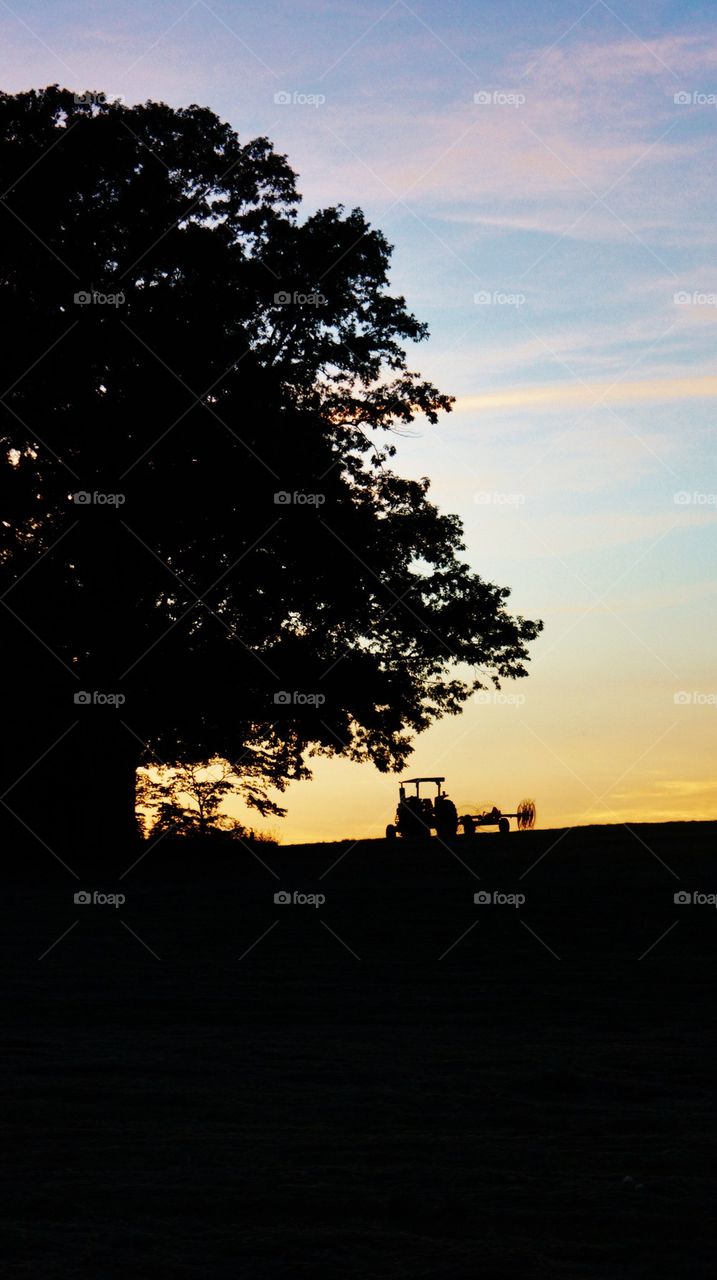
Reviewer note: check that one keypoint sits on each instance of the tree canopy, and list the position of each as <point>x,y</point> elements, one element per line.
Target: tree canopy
<point>201,530</point>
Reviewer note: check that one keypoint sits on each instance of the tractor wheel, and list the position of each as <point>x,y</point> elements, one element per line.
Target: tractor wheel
<point>469,827</point>
<point>391,832</point>
<point>446,819</point>
<point>504,826</point>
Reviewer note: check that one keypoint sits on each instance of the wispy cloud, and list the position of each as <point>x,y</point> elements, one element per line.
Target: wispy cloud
<point>589,394</point>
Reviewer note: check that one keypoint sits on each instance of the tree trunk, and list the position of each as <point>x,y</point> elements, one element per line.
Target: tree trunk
<point>102,788</point>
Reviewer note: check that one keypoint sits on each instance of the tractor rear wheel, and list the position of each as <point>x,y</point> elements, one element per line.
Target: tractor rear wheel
<point>446,819</point>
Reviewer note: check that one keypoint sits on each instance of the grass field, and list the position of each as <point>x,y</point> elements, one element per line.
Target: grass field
<point>398,1082</point>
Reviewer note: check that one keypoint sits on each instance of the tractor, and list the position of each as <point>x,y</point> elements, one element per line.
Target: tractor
<point>417,816</point>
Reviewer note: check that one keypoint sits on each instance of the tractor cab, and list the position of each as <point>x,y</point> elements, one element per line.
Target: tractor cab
<point>418,815</point>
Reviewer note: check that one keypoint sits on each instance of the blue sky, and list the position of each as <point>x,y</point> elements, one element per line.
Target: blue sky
<point>558,236</point>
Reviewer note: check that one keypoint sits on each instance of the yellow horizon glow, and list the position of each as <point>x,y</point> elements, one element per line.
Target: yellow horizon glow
<point>591,393</point>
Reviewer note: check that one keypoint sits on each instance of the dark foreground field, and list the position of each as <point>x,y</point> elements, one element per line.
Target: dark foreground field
<point>399,1082</point>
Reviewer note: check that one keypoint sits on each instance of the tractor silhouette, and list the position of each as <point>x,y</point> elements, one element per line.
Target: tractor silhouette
<point>417,816</point>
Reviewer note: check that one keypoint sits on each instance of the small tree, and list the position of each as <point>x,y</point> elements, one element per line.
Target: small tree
<point>187,800</point>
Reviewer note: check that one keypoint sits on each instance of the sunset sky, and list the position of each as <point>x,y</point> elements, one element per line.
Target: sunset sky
<point>546,174</point>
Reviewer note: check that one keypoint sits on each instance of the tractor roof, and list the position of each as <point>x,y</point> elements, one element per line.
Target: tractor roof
<point>404,780</point>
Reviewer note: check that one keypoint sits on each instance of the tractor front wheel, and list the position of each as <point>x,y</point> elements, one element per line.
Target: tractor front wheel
<point>391,832</point>
<point>504,826</point>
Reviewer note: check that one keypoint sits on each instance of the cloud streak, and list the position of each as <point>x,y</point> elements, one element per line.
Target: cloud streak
<point>590,394</point>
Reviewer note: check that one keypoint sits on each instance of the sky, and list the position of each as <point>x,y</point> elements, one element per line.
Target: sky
<point>546,174</point>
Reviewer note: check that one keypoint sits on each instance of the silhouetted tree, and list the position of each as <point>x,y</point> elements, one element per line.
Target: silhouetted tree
<point>187,800</point>
<point>179,350</point>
